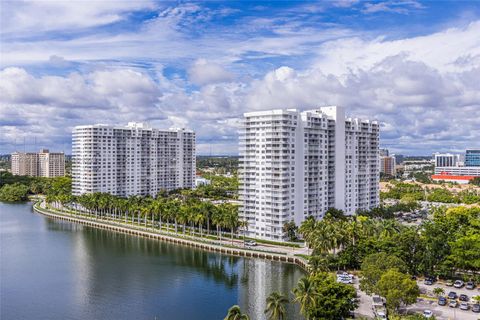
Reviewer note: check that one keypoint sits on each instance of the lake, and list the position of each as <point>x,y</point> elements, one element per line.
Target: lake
<point>52,269</point>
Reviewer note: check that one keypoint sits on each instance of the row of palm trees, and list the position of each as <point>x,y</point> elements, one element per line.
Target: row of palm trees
<point>332,234</point>
<point>166,211</point>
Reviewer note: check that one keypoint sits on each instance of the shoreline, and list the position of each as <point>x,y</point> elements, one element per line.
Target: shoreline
<point>285,258</point>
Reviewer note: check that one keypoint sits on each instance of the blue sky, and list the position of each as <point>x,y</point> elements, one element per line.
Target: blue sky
<point>414,66</point>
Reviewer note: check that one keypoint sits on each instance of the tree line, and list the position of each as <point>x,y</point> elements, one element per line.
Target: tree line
<point>400,190</point>
<point>388,254</point>
<point>169,211</point>
<point>17,188</point>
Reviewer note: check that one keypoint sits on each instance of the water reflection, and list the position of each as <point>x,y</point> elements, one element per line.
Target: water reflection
<point>100,274</point>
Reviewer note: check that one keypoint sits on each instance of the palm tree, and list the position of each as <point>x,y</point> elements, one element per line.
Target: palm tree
<point>275,309</point>
<point>305,293</point>
<point>158,207</point>
<point>174,207</point>
<point>217,220</point>
<point>231,218</point>
<point>199,218</point>
<point>244,225</point>
<point>208,209</point>
<point>307,229</point>
<point>234,313</point>
<point>321,237</point>
<point>438,291</point>
<point>183,215</point>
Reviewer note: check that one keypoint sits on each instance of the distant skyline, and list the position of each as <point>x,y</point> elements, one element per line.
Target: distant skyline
<point>412,65</point>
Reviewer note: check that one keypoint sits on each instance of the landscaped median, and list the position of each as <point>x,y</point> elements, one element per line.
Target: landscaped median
<point>203,243</point>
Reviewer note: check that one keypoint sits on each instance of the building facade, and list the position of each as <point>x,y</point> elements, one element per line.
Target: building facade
<point>41,164</point>
<point>458,171</point>
<point>446,159</point>
<point>298,164</point>
<point>132,160</point>
<point>472,158</point>
<point>387,165</point>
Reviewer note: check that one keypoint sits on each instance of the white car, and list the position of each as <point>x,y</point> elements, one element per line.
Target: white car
<point>346,279</point>
<point>427,313</point>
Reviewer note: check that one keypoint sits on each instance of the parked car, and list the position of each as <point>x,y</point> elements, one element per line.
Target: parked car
<point>250,243</point>
<point>427,314</point>
<point>470,285</point>
<point>345,278</point>
<point>449,283</point>
<point>428,282</point>
<point>463,297</point>
<point>458,284</point>
<point>453,304</point>
<point>476,307</point>
<point>464,306</point>
<point>452,295</point>
<point>442,301</point>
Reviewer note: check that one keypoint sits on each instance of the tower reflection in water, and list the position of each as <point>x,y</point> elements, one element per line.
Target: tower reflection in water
<point>157,275</point>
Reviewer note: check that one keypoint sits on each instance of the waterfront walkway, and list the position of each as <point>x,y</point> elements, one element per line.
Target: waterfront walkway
<point>264,251</point>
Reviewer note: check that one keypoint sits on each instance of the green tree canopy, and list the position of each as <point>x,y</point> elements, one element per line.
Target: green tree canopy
<point>375,266</point>
<point>397,288</point>
<point>14,192</point>
<point>322,297</point>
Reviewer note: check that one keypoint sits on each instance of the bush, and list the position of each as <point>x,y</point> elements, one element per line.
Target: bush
<point>14,192</point>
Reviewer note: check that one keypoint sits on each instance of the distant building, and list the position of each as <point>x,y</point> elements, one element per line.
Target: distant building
<point>452,178</point>
<point>383,152</point>
<point>472,158</point>
<point>399,158</point>
<point>446,159</point>
<point>458,171</point>
<point>132,160</point>
<point>388,165</point>
<point>201,181</point>
<point>298,164</point>
<point>41,164</point>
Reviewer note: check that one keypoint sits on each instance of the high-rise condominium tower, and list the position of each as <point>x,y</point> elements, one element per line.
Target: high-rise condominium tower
<point>472,158</point>
<point>387,165</point>
<point>41,164</point>
<point>132,160</point>
<point>296,164</point>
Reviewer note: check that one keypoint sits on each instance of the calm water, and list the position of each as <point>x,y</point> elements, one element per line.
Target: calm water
<point>51,269</point>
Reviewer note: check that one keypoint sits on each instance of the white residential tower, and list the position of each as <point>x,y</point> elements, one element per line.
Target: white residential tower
<point>296,164</point>
<point>132,160</point>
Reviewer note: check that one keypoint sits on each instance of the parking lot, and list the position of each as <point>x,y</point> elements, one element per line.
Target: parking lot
<point>441,312</point>
<point>445,312</point>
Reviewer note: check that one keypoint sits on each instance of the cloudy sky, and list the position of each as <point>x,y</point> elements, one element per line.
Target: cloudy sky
<point>413,66</point>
